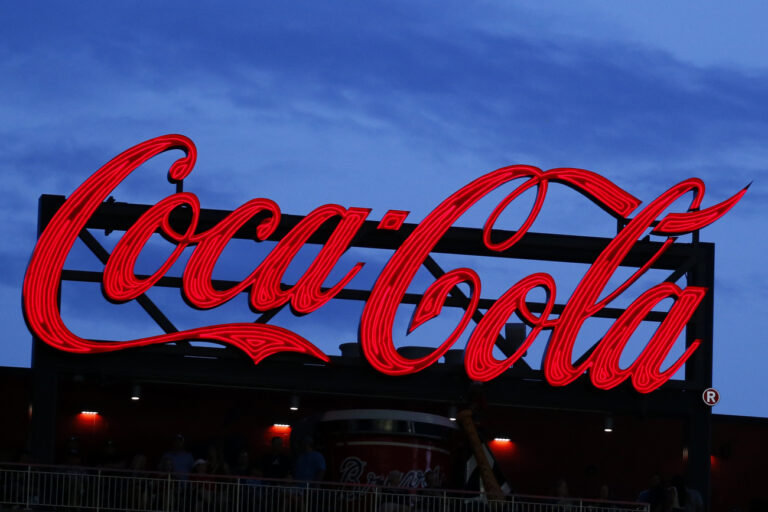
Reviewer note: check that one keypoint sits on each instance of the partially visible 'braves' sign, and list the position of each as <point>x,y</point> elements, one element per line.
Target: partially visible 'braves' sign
<point>43,277</point>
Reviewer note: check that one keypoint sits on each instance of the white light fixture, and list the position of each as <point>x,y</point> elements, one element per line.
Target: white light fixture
<point>452,413</point>
<point>281,425</point>
<point>136,392</point>
<point>608,425</point>
<point>294,403</point>
<point>89,413</point>
<point>502,439</point>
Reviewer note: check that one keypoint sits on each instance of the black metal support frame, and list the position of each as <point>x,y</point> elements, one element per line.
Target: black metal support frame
<point>520,386</point>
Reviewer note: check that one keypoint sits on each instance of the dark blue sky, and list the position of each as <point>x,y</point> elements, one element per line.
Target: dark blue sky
<point>393,105</point>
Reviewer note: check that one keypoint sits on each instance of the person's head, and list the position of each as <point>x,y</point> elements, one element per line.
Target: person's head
<point>432,478</point>
<point>178,443</point>
<point>276,444</point>
<point>200,467</point>
<point>166,465</point>
<point>394,478</point>
<point>243,459</point>
<point>655,481</point>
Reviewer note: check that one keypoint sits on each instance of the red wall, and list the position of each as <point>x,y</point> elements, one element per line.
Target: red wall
<point>548,445</point>
<point>739,463</point>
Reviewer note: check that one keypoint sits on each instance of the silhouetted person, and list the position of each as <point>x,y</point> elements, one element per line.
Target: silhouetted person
<point>563,495</point>
<point>689,499</point>
<point>181,459</point>
<point>310,464</point>
<point>393,497</point>
<point>276,464</point>
<point>655,495</point>
<point>242,465</point>
<point>216,464</point>
<point>110,458</point>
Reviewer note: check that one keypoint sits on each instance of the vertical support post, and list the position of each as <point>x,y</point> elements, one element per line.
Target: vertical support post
<point>44,394</point>
<point>698,372</point>
<point>98,491</point>
<point>29,487</point>
<point>237,495</point>
<point>168,494</point>
<point>44,375</point>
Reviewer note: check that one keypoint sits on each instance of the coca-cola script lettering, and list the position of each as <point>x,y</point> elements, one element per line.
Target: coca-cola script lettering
<point>43,277</point>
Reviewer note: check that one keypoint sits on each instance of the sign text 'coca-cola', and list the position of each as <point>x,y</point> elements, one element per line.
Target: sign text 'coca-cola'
<point>120,283</point>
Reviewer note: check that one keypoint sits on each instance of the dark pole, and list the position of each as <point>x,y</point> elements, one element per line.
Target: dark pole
<point>698,425</point>
<point>42,436</point>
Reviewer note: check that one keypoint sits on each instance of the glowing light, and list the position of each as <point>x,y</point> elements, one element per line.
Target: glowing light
<point>502,439</point>
<point>392,220</point>
<point>89,413</point>
<point>281,425</point>
<point>43,278</point>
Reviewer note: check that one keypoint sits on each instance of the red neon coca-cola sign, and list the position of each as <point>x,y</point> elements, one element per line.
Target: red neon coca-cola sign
<point>120,284</point>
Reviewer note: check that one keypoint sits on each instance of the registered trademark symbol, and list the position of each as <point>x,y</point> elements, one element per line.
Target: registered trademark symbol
<point>710,396</point>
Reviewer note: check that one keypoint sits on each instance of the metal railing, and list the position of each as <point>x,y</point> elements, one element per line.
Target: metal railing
<point>28,487</point>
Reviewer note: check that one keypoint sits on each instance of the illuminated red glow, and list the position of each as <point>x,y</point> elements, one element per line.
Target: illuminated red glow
<point>393,220</point>
<point>503,447</point>
<point>43,276</point>
<point>88,422</point>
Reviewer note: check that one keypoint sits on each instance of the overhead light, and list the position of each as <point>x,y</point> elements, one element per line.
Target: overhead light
<point>502,439</point>
<point>136,392</point>
<point>281,425</point>
<point>608,426</point>
<point>294,403</point>
<point>452,413</point>
<point>89,413</point>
